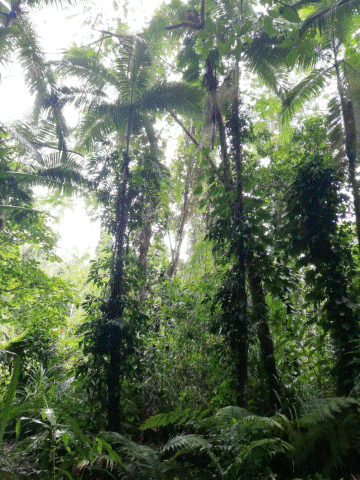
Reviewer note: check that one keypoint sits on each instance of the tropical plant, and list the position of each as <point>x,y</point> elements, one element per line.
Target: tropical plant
<point>313,203</point>
<point>138,94</point>
<point>326,38</point>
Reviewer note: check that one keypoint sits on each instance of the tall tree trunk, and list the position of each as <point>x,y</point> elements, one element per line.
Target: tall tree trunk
<point>180,233</point>
<point>347,110</point>
<point>144,240</point>
<point>238,213</point>
<point>264,336</point>
<point>115,306</point>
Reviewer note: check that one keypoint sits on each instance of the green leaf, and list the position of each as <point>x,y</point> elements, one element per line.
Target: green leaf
<point>290,14</point>
<point>202,34</point>
<point>288,42</point>
<point>238,49</point>
<point>17,427</point>
<point>198,190</point>
<point>65,437</point>
<point>268,26</point>
<point>10,394</point>
<point>202,203</point>
<point>291,58</point>
<point>274,13</point>
<point>50,415</point>
<point>248,39</point>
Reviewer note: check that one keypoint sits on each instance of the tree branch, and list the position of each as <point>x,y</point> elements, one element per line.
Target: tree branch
<point>197,144</point>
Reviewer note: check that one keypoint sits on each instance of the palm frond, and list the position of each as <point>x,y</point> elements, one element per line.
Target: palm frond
<point>133,63</point>
<point>336,126</point>
<point>7,44</point>
<point>177,96</point>
<point>65,171</point>
<point>24,142</point>
<point>84,64</point>
<point>101,119</point>
<point>265,58</point>
<point>307,89</point>
<point>37,4</point>
<point>325,12</point>
<point>15,208</point>
<point>32,58</point>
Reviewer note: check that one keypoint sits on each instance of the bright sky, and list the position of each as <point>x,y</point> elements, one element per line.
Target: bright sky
<point>58,29</point>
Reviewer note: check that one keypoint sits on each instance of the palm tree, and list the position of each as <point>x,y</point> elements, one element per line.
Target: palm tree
<point>335,23</point>
<point>120,100</point>
<point>45,127</point>
<point>252,57</point>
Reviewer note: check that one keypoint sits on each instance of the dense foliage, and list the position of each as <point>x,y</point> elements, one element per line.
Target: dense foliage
<point>216,331</point>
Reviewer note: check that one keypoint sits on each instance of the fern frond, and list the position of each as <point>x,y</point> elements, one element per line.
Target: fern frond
<point>327,410</point>
<point>178,417</point>
<point>188,443</point>
<point>231,413</point>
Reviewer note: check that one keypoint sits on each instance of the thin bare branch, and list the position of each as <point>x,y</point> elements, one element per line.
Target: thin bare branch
<point>197,144</point>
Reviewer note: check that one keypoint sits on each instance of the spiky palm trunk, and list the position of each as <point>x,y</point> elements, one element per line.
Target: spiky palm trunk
<point>115,305</point>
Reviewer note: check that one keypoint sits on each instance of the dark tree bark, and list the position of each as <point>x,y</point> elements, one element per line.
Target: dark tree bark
<point>115,305</point>
<point>238,213</point>
<point>265,339</point>
<point>347,110</point>
<point>144,241</point>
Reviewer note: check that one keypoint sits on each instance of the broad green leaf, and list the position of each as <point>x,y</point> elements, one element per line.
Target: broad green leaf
<point>65,437</point>
<point>291,58</point>
<point>17,427</point>
<point>50,415</point>
<point>290,14</point>
<point>274,13</point>
<point>268,26</point>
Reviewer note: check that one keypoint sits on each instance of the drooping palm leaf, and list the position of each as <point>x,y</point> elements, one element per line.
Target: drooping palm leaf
<point>24,142</point>
<point>178,96</point>
<point>308,89</point>
<point>326,11</point>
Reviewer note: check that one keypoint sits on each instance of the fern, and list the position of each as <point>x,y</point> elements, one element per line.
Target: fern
<point>188,443</point>
<point>325,433</point>
<point>175,417</point>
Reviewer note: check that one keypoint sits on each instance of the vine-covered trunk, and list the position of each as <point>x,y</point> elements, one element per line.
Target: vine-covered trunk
<point>344,329</point>
<point>115,307</point>
<point>350,141</point>
<point>347,110</point>
<point>238,216</point>
<point>144,241</point>
<point>264,336</point>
